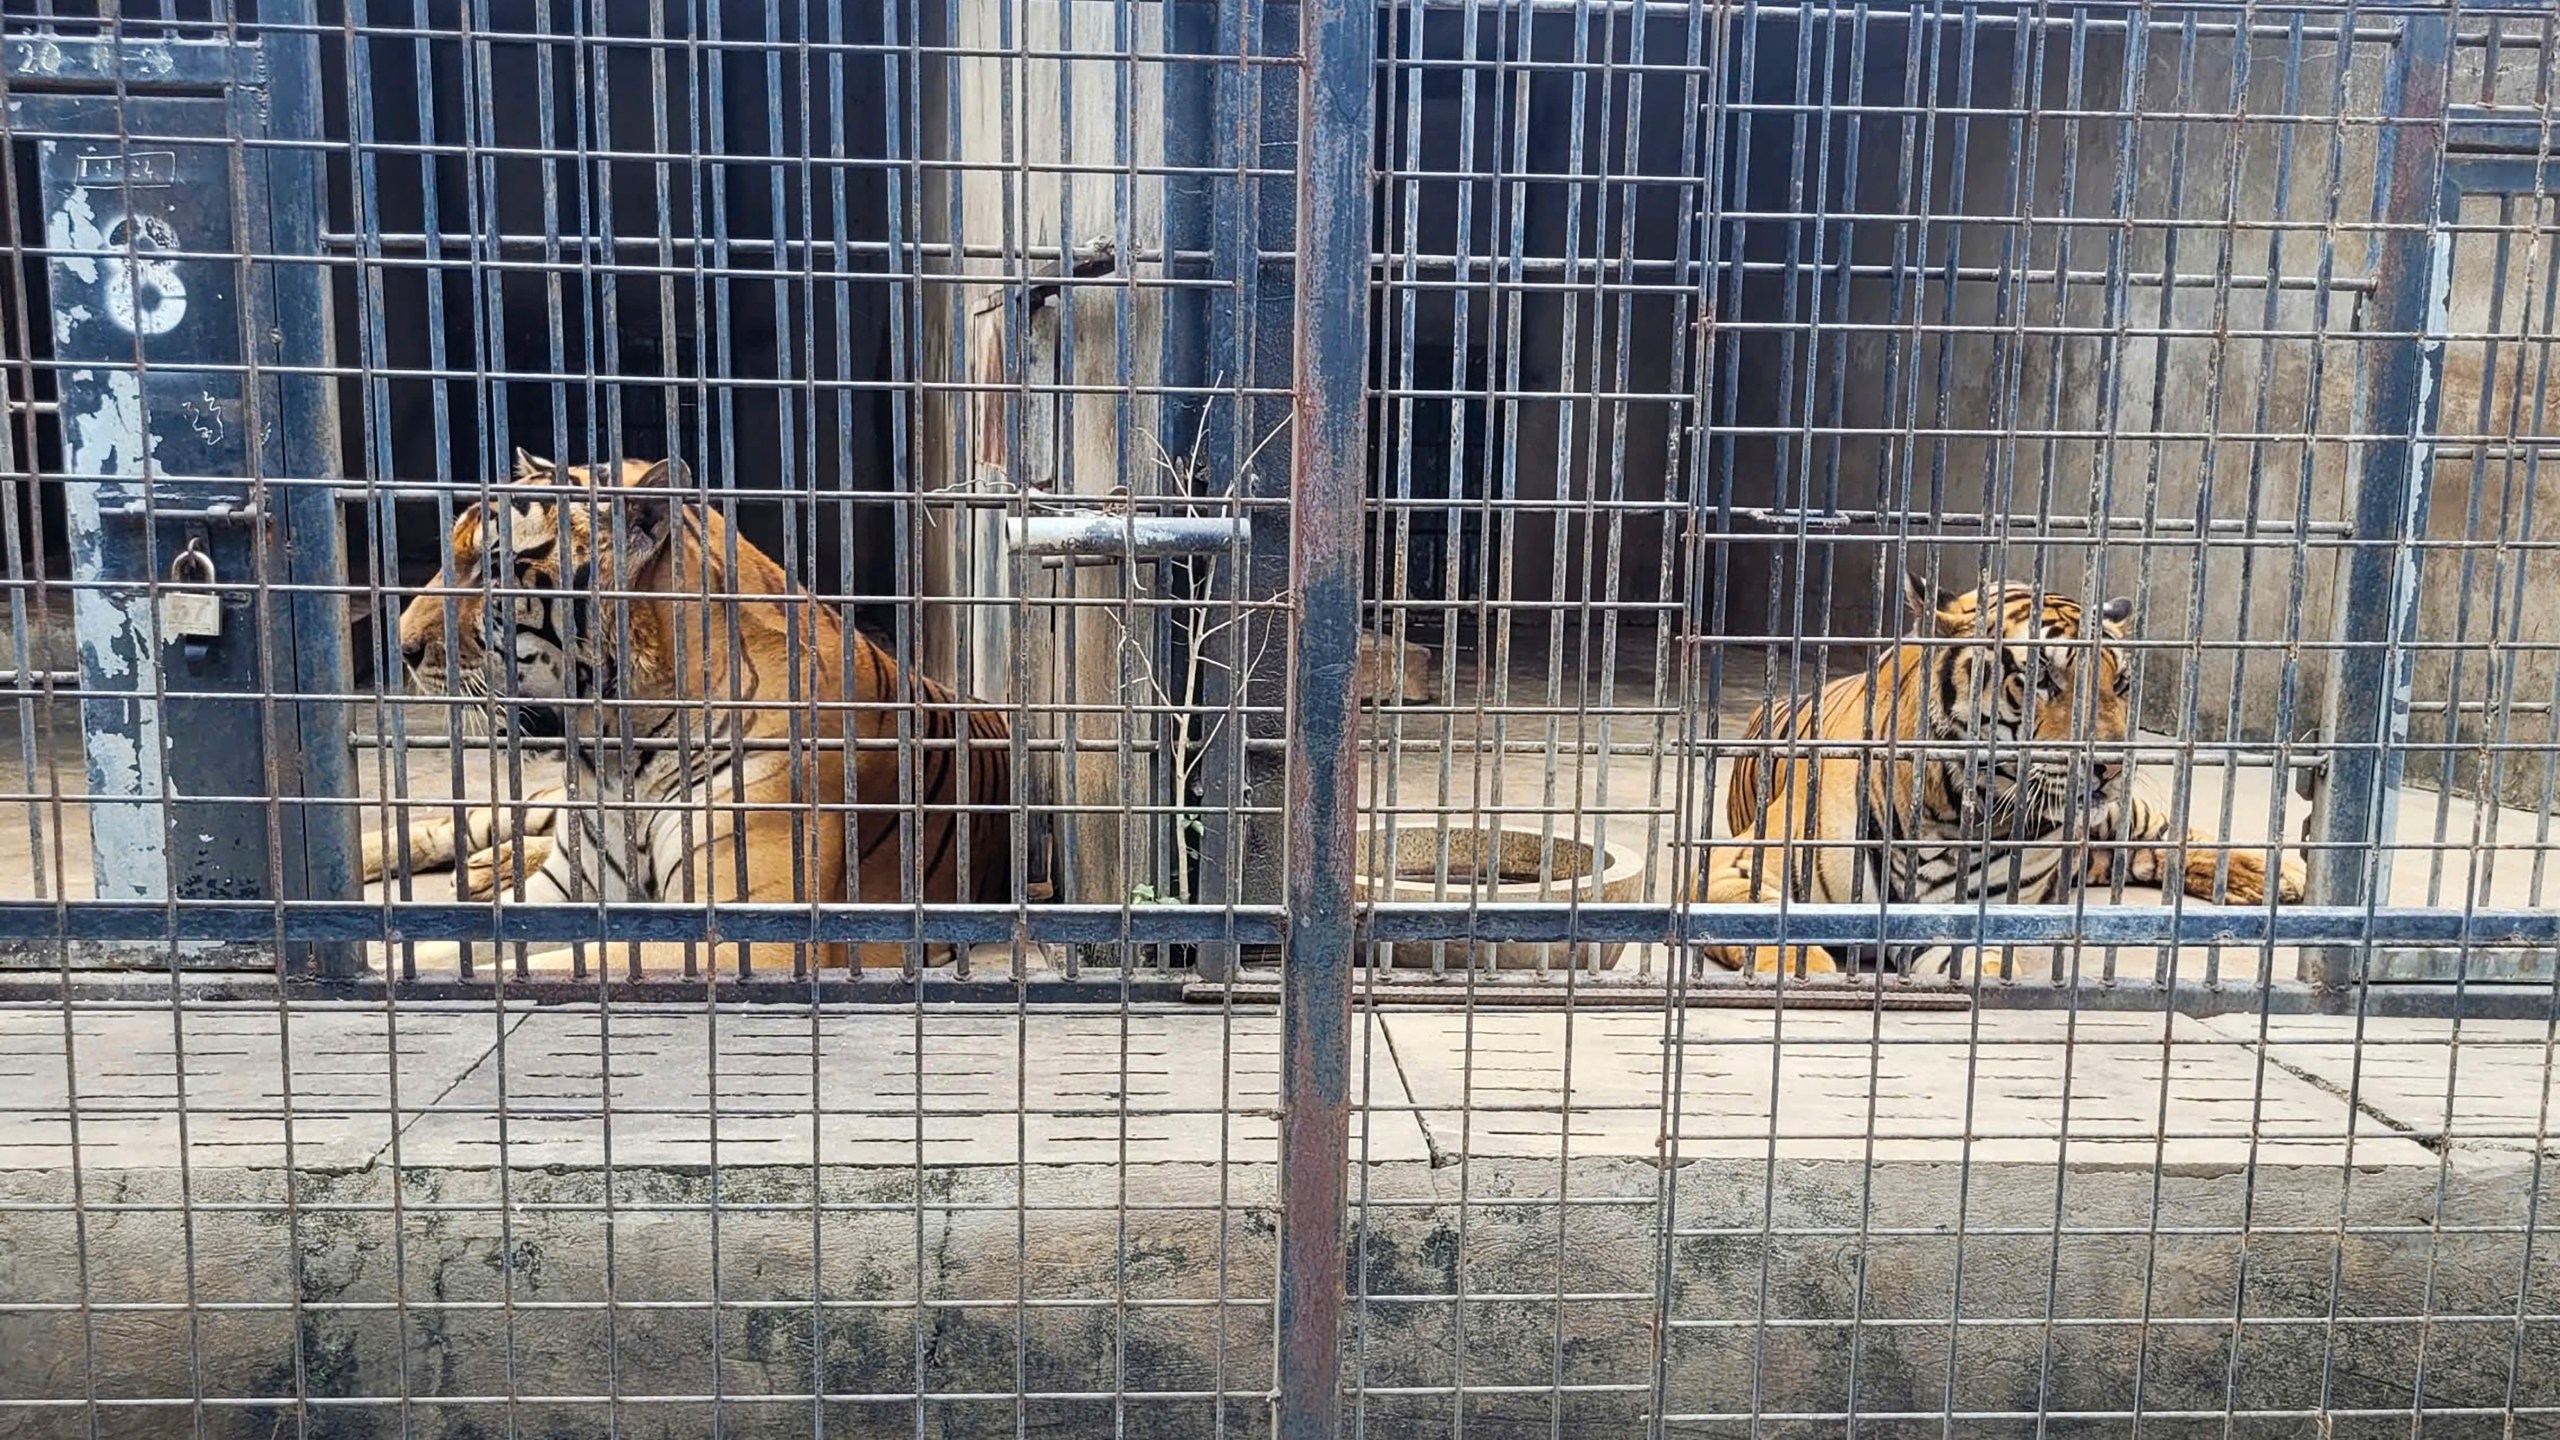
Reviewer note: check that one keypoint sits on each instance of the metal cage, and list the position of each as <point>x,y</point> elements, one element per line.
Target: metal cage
<point>1203,716</point>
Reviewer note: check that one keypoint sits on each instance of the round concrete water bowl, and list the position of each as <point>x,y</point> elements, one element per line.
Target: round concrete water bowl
<point>1495,866</point>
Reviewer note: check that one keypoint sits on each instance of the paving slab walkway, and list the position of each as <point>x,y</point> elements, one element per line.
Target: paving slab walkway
<point>471,1086</point>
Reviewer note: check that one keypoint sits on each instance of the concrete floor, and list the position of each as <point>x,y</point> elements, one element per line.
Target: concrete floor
<point>468,1086</point>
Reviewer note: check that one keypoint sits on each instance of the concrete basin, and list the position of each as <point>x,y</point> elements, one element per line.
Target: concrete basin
<point>1426,860</point>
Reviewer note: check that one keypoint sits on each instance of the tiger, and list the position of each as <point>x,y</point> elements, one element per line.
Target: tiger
<point>1838,816</point>
<point>574,624</point>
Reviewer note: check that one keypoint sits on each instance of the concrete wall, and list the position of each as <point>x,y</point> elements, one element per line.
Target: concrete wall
<point>2002,388</point>
<point>2496,511</point>
<point>2005,416</point>
<point>1021,120</point>
<point>2251,416</point>
<point>451,1259</point>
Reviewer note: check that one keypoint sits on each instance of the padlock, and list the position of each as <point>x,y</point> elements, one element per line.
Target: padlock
<point>194,615</point>
<point>190,615</point>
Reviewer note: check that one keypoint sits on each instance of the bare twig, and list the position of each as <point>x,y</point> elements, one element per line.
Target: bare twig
<point>1191,596</point>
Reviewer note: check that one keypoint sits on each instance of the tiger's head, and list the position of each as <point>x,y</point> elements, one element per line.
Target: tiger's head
<point>2049,693</point>
<point>515,614</point>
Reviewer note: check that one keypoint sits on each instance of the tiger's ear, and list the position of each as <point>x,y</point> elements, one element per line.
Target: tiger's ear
<point>1927,607</point>
<point>647,505</point>
<point>2117,615</point>
<point>667,474</point>
<point>530,466</point>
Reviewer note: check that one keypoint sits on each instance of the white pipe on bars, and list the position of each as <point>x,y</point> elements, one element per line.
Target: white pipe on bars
<point>1116,534</point>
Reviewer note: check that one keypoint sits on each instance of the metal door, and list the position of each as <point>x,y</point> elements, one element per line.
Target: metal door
<point>189,344</point>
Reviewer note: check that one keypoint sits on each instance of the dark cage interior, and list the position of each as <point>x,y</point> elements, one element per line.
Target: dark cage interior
<point>506,273</point>
<point>1599,328</point>
<point>523,285</point>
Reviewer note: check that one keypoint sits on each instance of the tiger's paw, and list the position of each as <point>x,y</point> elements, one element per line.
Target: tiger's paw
<point>2245,879</point>
<point>498,871</point>
<point>2000,965</point>
<point>1770,959</point>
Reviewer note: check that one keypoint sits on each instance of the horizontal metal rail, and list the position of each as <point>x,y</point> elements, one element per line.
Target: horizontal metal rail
<point>1900,924</point>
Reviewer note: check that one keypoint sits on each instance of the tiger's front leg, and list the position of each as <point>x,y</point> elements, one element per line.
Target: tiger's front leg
<point>520,869</point>
<point>499,871</point>
<point>2241,874</point>
<point>1748,875</point>
<point>712,861</point>
<point>426,835</point>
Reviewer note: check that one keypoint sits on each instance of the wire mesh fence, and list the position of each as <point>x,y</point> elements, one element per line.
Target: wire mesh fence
<point>1499,716</point>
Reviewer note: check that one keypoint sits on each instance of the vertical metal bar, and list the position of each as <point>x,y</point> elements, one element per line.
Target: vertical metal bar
<point>1190,41</point>
<point>313,551</point>
<point>2369,695</point>
<point>29,576</point>
<point>2500,712</point>
<point>1338,48</point>
<point>2290,673</point>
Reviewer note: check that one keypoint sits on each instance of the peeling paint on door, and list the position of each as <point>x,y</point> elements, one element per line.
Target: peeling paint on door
<point>106,436</point>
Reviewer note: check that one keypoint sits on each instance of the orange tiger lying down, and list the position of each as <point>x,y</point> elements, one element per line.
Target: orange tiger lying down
<point>1949,827</point>
<point>683,804</point>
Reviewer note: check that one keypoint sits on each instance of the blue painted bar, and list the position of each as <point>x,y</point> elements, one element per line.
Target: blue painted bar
<point>1338,45</point>
<point>2192,924</point>
<point>2367,725</point>
<point>320,860</point>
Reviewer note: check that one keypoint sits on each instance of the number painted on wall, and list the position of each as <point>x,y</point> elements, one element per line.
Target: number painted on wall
<point>143,293</point>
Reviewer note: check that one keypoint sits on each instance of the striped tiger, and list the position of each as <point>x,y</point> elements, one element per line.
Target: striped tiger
<point>2004,788</point>
<point>687,721</point>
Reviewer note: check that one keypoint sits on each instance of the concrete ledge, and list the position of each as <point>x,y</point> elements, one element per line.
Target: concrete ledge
<point>2119,1190</point>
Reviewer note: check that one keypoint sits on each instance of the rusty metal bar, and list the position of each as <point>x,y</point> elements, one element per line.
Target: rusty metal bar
<point>1338,44</point>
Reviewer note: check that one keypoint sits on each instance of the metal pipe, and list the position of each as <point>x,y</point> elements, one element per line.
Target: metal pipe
<point>1338,45</point>
<point>1099,534</point>
<point>220,512</point>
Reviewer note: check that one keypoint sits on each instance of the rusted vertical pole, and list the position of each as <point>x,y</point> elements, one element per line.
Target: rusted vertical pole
<point>1338,52</point>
